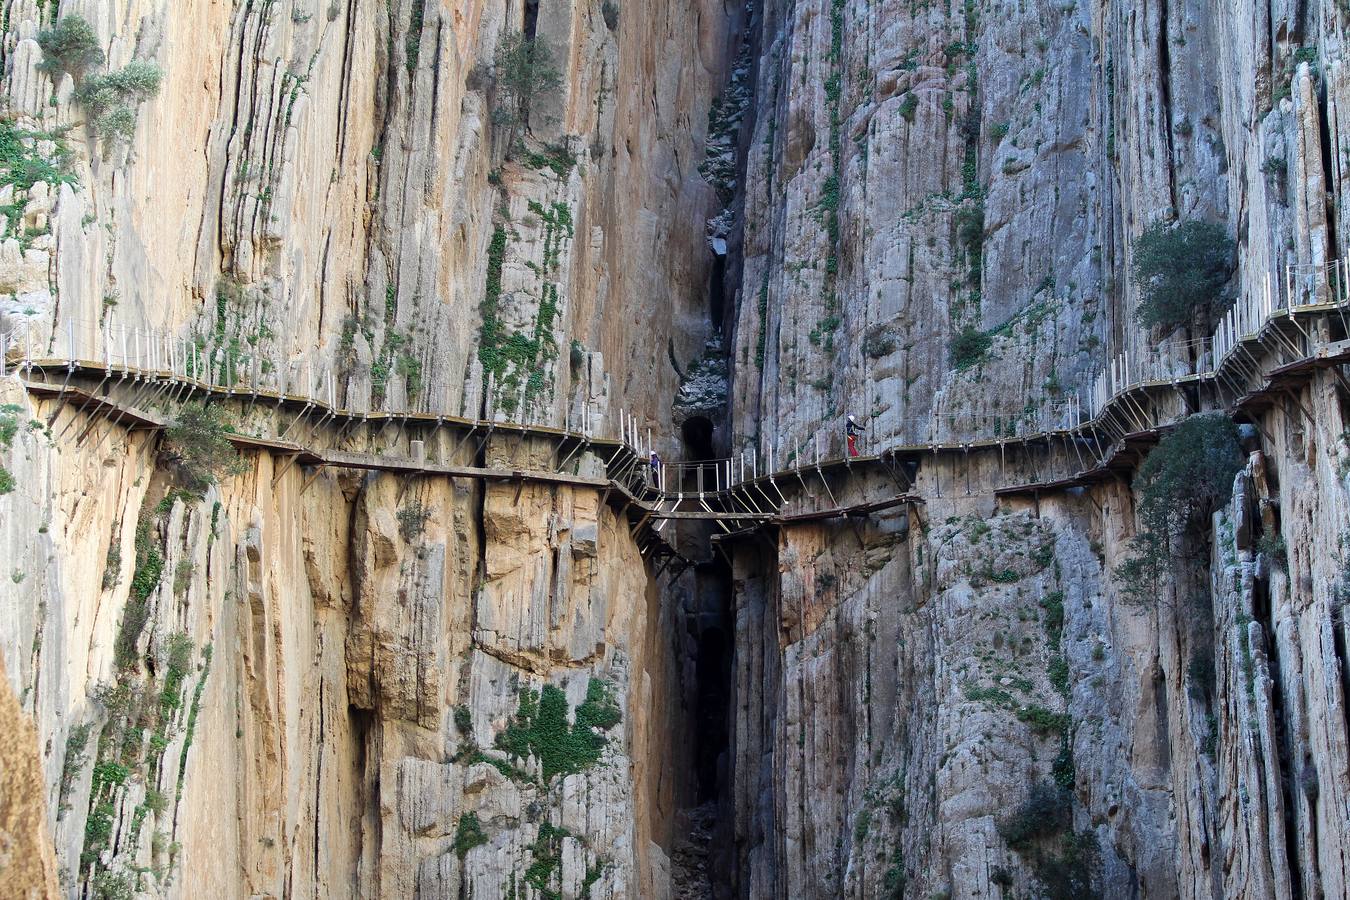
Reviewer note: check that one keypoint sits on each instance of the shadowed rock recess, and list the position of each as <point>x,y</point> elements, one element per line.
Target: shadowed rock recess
<point>336,336</point>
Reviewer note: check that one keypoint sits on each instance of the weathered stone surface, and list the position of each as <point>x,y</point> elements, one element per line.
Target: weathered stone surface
<point>306,673</point>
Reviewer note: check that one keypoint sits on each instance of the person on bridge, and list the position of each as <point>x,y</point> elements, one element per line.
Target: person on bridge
<point>852,429</point>
<point>655,463</point>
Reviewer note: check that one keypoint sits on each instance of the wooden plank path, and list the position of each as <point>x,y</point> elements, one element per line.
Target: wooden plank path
<point>1128,418</point>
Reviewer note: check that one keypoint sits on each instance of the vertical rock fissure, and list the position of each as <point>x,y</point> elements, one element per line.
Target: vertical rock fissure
<point>1165,100</point>
<point>1338,643</point>
<point>1328,167</point>
<point>318,781</point>
<point>703,856</point>
<point>1262,612</point>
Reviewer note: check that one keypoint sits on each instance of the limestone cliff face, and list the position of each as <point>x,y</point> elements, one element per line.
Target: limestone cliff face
<point>346,685</point>
<point>737,222</point>
<point>915,171</point>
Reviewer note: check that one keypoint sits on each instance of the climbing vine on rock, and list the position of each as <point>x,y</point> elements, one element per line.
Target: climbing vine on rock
<point>515,359</point>
<point>540,729</point>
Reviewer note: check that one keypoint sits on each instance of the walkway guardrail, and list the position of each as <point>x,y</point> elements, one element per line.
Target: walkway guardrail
<point>130,351</point>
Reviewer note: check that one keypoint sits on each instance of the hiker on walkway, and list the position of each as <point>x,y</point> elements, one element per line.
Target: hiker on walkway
<point>655,462</point>
<point>852,429</point>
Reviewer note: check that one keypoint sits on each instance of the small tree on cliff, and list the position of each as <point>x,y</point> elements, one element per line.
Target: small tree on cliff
<point>199,440</point>
<point>524,69</point>
<point>1183,480</point>
<point>1181,270</point>
<point>69,46</point>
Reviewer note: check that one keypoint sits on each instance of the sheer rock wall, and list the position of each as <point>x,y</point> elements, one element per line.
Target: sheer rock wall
<point>293,685</point>
<point>917,170</point>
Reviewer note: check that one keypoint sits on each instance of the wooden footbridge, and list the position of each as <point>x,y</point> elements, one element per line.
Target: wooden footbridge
<point>1268,344</point>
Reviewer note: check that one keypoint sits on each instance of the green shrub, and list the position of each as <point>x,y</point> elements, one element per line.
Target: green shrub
<point>895,878</point>
<point>1069,871</point>
<point>1181,271</point>
<point>540,729</point>
<point>1042,720</point>
<point>1063,770</point>
<point>1189,473</point>
<point>116,124</point>
<point>110,99</point>
<point>9,412</point>
<point>1047,811</point>
<point>1183,480</point>
<point>879,344</point>
<point>969,347</point>
<point>908,105</point>
<point>182,577</point>
<point>70,46</point>
<point>468,834</point>
<point>25,166</point>
<point>109,885</point>
<point>199,439</point>
<point>412,520</point>
<point>76,743</point>
<point>138,80</point>
<point>970,227</point>
<point>1200,677</point>
<point>112,566</point>
<point>155,801</point>
<point>546,861</point>
<point>1058,672</point>
<point>413,42</point>
<point>524,70</point>
<point>557,157</point>
<point>410,367</point>
<point>1272,547</point>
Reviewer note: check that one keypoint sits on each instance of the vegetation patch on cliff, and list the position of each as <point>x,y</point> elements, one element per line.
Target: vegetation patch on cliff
<point>1181,270</point>
<point>1183,480</point>
<point>1065,863</point>
<point>468,834</point>
<point>69,47</point>
<point>540,729</point>
<point>199,440</point>
<point>9,427</point>
<point>142,717</point>
<point>524,69</point>
<point>111,99</point>
<point>518,365</point>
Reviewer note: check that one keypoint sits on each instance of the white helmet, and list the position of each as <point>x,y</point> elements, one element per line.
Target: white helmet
<point>851,419</point>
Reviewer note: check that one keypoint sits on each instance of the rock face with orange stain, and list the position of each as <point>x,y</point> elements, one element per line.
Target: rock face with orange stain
<point>295,685</point>
<point>27,863</point>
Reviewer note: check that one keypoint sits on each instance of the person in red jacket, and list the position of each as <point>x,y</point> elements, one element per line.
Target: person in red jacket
<point>852,429</point>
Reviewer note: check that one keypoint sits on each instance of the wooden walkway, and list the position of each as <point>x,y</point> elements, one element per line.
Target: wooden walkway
<point>1276,353</point>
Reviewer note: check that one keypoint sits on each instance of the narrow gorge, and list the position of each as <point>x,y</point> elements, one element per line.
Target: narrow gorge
<point>426,466</point>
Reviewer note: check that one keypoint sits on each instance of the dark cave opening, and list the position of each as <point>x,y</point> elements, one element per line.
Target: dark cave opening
<point>697,435</point>
<point>703,858</point>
